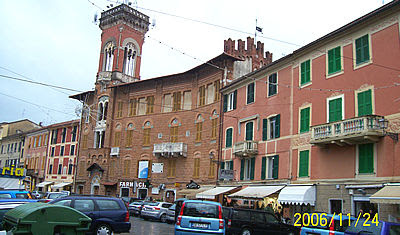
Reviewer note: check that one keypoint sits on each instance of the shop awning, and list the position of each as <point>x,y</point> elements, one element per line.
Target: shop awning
<point>43,184</point>
<point>298,195</point>
<point>211,193</point>
<point>191,193</point>
<point>389,194</point>
<point>61,185</point>
<point>256,192</point>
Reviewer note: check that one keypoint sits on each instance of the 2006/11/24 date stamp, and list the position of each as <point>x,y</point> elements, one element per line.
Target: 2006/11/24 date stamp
<point>321,219</point>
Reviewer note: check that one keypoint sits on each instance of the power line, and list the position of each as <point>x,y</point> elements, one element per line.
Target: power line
<point>39,83</point>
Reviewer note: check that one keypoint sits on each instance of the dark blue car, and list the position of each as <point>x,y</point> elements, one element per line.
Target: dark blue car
<point>371,227</point>
<point>109,215</point>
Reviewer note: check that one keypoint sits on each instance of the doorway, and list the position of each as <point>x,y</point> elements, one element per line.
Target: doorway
<point>142,193</point>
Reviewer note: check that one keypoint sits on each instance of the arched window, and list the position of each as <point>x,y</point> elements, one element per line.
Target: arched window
<point>103,108</point>
<point>174,130</point>
<point>146,133</point>
<point>129,59</point>
<point>199,127</point>
<point>108,56</point>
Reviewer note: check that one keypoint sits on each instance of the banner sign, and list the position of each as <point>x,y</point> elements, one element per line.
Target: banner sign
<point>143,169</point>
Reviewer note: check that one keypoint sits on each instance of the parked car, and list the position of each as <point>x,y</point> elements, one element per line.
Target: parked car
<point>135,208</point>
<point>20,194</point>
<point>8,204</point>
<point>170,218</point>
<point>109,215</point>
<point>323,227</point>
<point>156,210</point>
<point>196,217</point>
<point>178,202</point>
<point>248,221</point>
<point>37,194</point>
<point>368,227</point>
<point>50,196</point>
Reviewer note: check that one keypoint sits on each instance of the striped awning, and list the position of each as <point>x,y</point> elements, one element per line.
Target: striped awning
<point>390,194</point>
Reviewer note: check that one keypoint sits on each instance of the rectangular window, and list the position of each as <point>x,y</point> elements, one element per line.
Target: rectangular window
<point>334,60</point>
<point>167,103</point>
<point>119,109</point>
<point>132,107</point>
<point>335,110</point>
<point>362,49</point>
<point>250,93</point>
<point>217,87</point>
<point>34,143</point>
<point>230,101</point>
<point>117,139</point>
<point>187,100</point>
<point>210,93</point>
<point>265,130</point>
<point>39,142</point>
<point>249,131</point>
<point>211,172</point>
<point>142,106</point>
<point>50,169</point>
<point>171,167</point>
<point>270,167</point>
<point>150,105</point>
<point>62,151</point>
<point>127,166</point>
<point>364,100</point>
<point>274,126</point>
<point>272,84</point>
<point>52,151</point>
<point>304,120</point>
<point>84,141</point>
<point>247,167</point>
<point>64,135</point>
<point>366,158</point>
<point>70,167</point>
<point>59,169</point>
<point>214,125</point>
<point>146,137</point>
<point>305,71</point>
<point>199,130</point>
<point>228,138</point>
<point>196,169</point>
<point>72,152</point>
<point>74,132</point>
<point>303,163</point>
<point>177,101</point>
<point>174,134</point>
<point>129,138</point>
<point>202,96</point>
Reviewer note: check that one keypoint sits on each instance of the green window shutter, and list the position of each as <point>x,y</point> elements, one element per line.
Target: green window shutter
<point>362,49</point>
<point>305,72</point>
<point>265,130</point>
<point>228,138</point>
<point>334,60</point>
<point>366,158</point>
<point>308,71</point>
<point>231,165</point>
<point>225,103</point>
<point>278,126</point>
<point>250,93</point>
<point>338,59</point>
<point>361,103</point>
<point>305,120</point>
<point>249,131</point>
<point>364,103</point>
<point>275,167</point>
<point>234,99</point>
<point>330,61</point>
<point>335,110</point>
<point>263,167</point>
<point>303,168</point>
<point>366,48</point>
<point>358,51</point>
<point>242,169</point>
<point>222,165</point>
<point>253,163</point>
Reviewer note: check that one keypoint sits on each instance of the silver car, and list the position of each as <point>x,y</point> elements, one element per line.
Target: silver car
<point>156,210</point>
<point>171,214</point>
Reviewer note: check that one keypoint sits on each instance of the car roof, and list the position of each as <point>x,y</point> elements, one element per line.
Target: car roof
<point>206,202</point>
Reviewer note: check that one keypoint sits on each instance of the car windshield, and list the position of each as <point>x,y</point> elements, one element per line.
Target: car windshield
<point>135,203</point>
<point>364,227</point>
<point>200,210</point>
<point>152,203</point>
<point>56,195</point>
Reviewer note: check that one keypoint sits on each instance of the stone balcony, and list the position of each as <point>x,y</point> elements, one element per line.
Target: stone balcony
<point>358,130</point>
<point>246,148</point>
<point>170,150</point>
<point>115,75</point>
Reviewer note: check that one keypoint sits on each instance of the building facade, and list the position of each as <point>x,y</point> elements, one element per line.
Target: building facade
<point>322,121</point>
<point>152,138</point>
<point>61,156</point>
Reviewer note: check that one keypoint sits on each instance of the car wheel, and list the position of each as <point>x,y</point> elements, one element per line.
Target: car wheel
<point>163,218</point>
<point>104,229</point>
<point>246,231</point>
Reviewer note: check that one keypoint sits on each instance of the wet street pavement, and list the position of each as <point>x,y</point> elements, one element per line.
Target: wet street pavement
<point>149,227</point>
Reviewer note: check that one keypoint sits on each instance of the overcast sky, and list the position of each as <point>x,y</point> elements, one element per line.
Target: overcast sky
<point>56,42</point>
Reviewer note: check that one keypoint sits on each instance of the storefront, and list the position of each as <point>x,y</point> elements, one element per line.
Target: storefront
<point>44,186</point>
<point>297,199</point>
<point>218,194</point>
<point>64,186</point>
<point>257,197</point>
<point>388,200</point>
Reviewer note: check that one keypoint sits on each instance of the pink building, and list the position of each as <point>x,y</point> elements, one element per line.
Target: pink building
<point>322,123</point>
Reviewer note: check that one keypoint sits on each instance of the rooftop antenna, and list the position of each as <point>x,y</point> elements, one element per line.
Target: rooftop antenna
<point>95,18</point>
<point>258,29</point>
<point>153,23</point>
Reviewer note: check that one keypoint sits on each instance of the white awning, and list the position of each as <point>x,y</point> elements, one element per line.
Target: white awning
<point>256,192</point>
<point>44,184</point>
<point>60,185</point>
<point>389,194</point>
<point>298,195</point>
<point>10,183</point>
<point>211,193</point>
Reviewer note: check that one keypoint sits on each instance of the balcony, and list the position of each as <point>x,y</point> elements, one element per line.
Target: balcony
<point>170,150</point>
<point>246,148</point>
<point>352,131</point>
<point>115,75</point>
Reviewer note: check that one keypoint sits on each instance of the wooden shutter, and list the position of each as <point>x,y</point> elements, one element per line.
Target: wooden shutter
<point>358,51</point>
<point>119,112</point>
<point>199,128</point>
<point>249,131</point>
<point>252,168</point>
<point>222,165</point>
<point>225,103</point>
<point>234,99</point>
<point>263,167</point>
<point>228,138</point>
<point>366,158</point>
<point>330,61</point>
<point>364,103</point>
<point>365,49</point>
<point>277,126</point>
<point>217,87</point>
<point>241,169</point>
<point>250,93</point>
<point>146,136</point>
<point>335,110</point>
<point>305,75</point>
<point>265,130</point>
<point>338,59</point>
<point>304,120</point>
<point>177,101</point>
<point>303,168</point>
<point>117,138</point>
<point>231,165</point>
<point>214,128</point>
<point>275,167</point>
